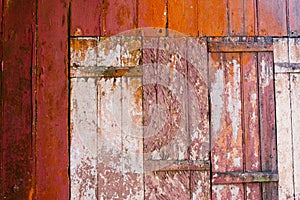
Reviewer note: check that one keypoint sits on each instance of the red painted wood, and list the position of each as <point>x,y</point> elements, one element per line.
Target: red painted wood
<point>267,121</point>
<point>118,16</point>
<point>294,17</point>
<point>85,18</point>
<point>17,139</point>
<point>52,101</point>
<point>272,18</point>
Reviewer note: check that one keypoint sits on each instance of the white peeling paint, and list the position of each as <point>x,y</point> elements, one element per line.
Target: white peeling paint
<point>234,102</point>
<point>217,102</point>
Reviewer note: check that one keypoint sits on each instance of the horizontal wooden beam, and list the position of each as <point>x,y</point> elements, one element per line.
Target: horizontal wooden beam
<point>243,177</point>
<point>105,72</point>
<point>175,165</point>
<point>239,47</point>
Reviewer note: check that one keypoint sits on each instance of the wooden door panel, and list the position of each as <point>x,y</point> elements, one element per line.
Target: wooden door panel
<point>242,122</point>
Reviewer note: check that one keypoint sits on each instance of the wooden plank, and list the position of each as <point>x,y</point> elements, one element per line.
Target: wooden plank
<point>167,185</point>
<point>212,11</point>
<point>52,101</point>
<point>294,17</point>
<point>132,137</point>
<point>18,63</point>
<point>251,121</point>
<point>226,99</point>
<point>284,136</point>
<point>243,177</point>
<point>131,54</point>
<point>85,18</point>
<point>239,46</point>
<point>152,17</point>
<point>118,17</point>
<point>182,17</point>
<point>250,112</point>
<point>179,109</point>
<point>110,152</point>
<point>198,122</point>
<point>267,121</point>
<point>200,185</point>
<point>295,95</point>
<point>83,52</point>
<point>272,18</point>
<point>83,150</point>
<point>242,17</point>
<point>226,121</point>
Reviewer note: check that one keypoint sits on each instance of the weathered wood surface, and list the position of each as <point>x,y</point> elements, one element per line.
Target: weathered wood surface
<point>52,101</point>
<point>284,136</point>
<point>188,17</point>
<point>83,150</point>
<point>17,143</point>
<point>295,108</point>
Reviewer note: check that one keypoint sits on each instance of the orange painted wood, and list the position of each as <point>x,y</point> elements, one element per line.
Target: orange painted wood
<point>17,65</point>
<point>272,17</point>
<point>212,18</point>
<point>86,18</point>
<point>182,16</point>
<point>152,14</point>
<point>294,17</point>
<point>52,101</point>
<point>118,16</point>
<point>242,16</point>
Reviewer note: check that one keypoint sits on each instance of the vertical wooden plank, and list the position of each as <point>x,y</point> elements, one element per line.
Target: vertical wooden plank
<point>182,16</point>
<point>251,120</point>
<point>226,124</point>
<point>118,16</point>
<point>226,99</point>
<point>295,106</point>
<point>267,121</point>
<point>110,155</point>
<point>85,18</point>
<point>167,185</point>
<point>52,101</point>
<point>178,86</point>
<point>83,149</point>
<point>284,136</point>
<point>198,122</point>
<point>17,63</point>
<point>294,17</point>
<point>132,138</point>
<point>152,17</point>
<point>242,17</point>
<point>272,18</point>
<point>212,11</point>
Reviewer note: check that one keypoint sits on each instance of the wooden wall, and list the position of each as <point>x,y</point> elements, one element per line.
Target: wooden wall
<point>34,75</point>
